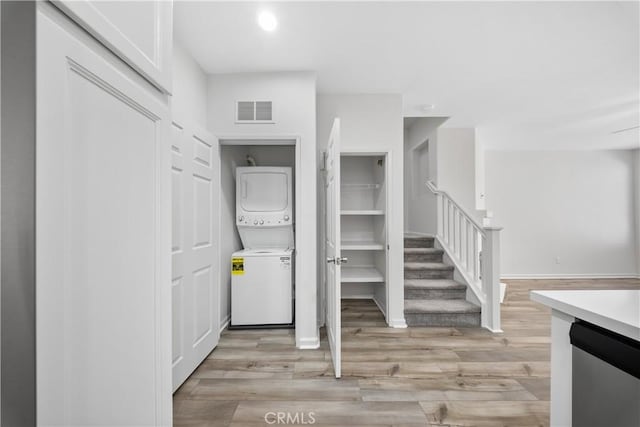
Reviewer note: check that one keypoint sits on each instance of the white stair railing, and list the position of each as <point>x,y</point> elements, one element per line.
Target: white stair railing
<point>475,251</point>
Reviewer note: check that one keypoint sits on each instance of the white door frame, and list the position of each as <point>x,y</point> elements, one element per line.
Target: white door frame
<point>281,140</point>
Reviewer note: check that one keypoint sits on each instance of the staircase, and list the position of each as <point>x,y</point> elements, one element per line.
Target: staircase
<point>432,297</point>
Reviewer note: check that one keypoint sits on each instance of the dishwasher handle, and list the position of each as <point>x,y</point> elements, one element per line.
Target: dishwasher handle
<point>610,347</point>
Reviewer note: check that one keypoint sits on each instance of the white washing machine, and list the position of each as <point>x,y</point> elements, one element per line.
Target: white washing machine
<point>262,287</point>
<point>262,273</point>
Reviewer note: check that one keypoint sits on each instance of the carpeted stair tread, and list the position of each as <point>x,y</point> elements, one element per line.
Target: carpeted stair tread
<point>432,297</point>
<point>427,266</point>
<point>433,284</point>
<point>421,251</point>
<point>440,306</point>
<point>410,235</point>
<point>418,242</point>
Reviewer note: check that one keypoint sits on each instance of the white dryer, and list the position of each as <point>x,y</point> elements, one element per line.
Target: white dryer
<point>264,207</point>
<point>262,273</point>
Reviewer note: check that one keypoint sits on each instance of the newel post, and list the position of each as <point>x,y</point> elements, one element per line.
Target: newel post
<point>491,278</point>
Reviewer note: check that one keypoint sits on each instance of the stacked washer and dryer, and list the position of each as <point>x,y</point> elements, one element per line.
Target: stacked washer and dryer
<point>262,273</point>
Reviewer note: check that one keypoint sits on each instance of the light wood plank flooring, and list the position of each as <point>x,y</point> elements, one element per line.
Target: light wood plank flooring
<point>391,377</point>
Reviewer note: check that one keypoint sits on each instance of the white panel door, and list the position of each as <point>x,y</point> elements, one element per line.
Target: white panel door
<point>140,32</point>
<point>103,326</point>
<point>195,269</point>
<point>332,247</point>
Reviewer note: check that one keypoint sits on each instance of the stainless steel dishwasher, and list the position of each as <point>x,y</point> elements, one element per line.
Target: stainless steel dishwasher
<point>606,377</point>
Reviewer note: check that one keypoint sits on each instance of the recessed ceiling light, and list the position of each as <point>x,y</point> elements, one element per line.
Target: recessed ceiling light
<point>267,21</point>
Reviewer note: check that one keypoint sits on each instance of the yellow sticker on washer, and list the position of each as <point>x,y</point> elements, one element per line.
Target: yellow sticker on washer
<point>237,266</point>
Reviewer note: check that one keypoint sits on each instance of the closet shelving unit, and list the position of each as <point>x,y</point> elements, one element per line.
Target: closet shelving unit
<point>363,221</point>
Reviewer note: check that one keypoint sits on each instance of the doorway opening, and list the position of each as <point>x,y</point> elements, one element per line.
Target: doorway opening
<point>235,257</point>
<point>363,228</point>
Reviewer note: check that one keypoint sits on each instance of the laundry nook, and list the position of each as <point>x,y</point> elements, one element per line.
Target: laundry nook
<point>262,273</point>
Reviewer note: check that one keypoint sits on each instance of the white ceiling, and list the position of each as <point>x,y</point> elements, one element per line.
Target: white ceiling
<point>549,75</point>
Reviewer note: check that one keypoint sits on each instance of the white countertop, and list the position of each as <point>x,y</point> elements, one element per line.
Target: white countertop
<point>616,310</point>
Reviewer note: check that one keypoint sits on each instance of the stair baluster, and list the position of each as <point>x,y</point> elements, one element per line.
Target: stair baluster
<point>475,251</point>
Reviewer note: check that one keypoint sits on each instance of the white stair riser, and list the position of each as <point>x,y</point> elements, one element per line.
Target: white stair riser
<point>410,293</point>
<point>418,242</point>
<point>443,319</point>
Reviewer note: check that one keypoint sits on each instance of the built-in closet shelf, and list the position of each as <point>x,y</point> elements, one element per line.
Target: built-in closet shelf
<point>358,187</point>
<point>362,212</point>
<point>361,275</point>
<point>359,245</point>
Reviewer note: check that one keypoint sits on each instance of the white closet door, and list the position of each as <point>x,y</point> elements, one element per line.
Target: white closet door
<point>195,270</point>
<point>332,247</point>
<point>139,32</point>
<point>103,330</point>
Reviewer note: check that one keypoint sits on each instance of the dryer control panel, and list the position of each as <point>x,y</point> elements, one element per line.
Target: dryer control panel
<point>264,220</point>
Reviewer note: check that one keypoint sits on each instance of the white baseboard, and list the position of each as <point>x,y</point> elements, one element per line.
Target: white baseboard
<point>380,307</point>
<point>398,323</point>
<point>309,343</point>
<point>358,296</point>
<point>568,276</point>
<point>225,323</point>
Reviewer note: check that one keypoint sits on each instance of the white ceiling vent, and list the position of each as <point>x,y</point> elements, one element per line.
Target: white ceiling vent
<point>254,112</point>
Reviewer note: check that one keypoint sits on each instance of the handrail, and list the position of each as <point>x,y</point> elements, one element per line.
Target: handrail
<point>475,251</point>
<point>431,186</point>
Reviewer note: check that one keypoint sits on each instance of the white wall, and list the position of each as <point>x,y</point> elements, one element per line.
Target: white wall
<point>457,165</point>
<point>637,214</point>
<point>294,111</point>
<point>419,163</point>
<point>374,123</point>
<point>189,97</point>
<point>230,157</point>
<point>577,206</point>
<point>481,174</point>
